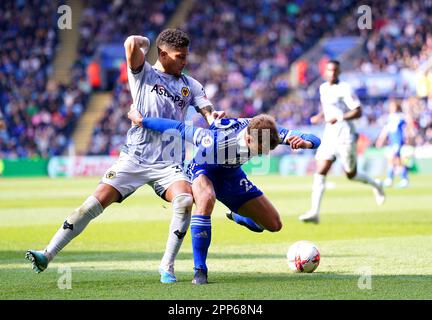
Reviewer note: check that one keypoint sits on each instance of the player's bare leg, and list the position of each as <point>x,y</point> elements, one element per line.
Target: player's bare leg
<point>262,212</point>
<point>318,188</point>
<point>205,199</point>
<point>180,195</point>
<point>377,187</point>
<point>92,207</point>
<point>391,164</point>
<point>397,164</point>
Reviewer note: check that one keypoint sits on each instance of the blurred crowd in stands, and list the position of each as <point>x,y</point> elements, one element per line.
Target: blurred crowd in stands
<point>40,114</point>
<point>114,24</point>
<point>401,36</point>
<point>241,50</point>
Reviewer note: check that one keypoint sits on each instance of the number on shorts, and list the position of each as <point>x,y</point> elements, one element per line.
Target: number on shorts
<point>178,169</point>
<point>246,183</point>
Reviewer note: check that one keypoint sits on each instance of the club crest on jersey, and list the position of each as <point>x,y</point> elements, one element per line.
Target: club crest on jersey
<point>204,139</point>
<point>185,91</point>
<point>110,175</point>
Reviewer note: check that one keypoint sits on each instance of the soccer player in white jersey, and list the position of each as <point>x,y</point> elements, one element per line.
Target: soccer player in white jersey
<point>164,91</point>
<point>339,107</point>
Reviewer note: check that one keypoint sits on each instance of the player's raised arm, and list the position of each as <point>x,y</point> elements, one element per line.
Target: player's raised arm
<point>298,140</point>
<point>136,48</point>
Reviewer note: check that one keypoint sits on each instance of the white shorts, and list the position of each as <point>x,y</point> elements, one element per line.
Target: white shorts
<point>127,175</point>
<point>346,152</point>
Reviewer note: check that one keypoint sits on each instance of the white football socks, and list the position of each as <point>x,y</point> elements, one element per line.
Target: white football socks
<point>182,207</point>
<point>318,189</point>
<point>361,177</point>
<point>73,226</point>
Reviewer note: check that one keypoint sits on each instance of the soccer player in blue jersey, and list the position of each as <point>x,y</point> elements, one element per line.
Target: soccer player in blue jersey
<point>394,132</point>
<point>216,172</point>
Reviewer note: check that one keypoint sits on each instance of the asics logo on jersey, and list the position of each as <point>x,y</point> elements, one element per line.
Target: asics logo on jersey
<point>162,91</point>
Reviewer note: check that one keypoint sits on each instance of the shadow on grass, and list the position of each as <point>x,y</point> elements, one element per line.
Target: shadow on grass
<point>7,257</point>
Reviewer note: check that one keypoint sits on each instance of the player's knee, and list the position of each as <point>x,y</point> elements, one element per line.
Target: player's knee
<point>182,203</point>
<point>106,194</point>
<point>205,201</point>
<point>90,209</point>
<point>275,226</point>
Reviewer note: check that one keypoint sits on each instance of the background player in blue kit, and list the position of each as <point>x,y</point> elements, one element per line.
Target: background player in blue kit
<point>394,132</point>
<point>216,172</point>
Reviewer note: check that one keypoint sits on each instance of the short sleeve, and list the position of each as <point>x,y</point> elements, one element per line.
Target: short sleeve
<point>349,97</point>
<point>199,97</point>
<point>136,78</point>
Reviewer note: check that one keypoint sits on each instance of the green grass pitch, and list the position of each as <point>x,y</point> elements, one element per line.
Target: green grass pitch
<point>117,256</point>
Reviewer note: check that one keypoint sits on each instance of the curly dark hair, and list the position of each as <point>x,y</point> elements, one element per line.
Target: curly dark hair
<point>174,38</point>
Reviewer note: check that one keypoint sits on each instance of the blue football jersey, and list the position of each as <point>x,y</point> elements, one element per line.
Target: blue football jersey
<point>395,128</point>
<point>223,142</point>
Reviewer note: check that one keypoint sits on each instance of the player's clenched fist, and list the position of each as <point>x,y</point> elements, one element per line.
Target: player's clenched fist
<point>218,114</point>
<point>134,116</point>
<point>298,143</point>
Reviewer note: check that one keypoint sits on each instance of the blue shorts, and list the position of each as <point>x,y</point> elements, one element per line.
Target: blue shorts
<point>231,185</point>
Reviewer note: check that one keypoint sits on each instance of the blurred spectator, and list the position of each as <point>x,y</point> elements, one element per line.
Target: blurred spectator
<point>94,74</point>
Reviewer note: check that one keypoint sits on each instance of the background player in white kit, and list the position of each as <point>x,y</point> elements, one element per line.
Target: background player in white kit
<point>157,91</point>
<point>339,107</point>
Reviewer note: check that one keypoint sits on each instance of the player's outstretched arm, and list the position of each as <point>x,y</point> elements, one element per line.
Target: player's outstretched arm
<point>187,132</point>
<point>136,47</point>
<point>297,139</point>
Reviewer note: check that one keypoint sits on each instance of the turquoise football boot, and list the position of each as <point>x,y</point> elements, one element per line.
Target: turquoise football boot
<point>166,276</point>
<point>38,260</point>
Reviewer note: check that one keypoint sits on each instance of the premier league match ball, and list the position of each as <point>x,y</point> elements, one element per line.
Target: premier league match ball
<point>303,256</point>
